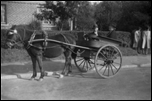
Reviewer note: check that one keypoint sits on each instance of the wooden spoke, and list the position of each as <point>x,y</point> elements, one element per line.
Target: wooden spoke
<point>81,62</point>
<point>103,55</point>
<point>105,70</point>
<point>102,68</point>
<point>115,67</point>
<point>108,70</point>
<point>111,69</point>
<point>84,64</point>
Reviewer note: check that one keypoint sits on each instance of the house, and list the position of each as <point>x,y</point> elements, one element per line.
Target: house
<point>20,12</point>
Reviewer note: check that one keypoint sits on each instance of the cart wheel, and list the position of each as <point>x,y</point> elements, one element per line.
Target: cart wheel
<point>108,61</point>
<point>84,64</point>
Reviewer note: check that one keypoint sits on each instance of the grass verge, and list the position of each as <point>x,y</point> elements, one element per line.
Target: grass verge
<point>20,55</point>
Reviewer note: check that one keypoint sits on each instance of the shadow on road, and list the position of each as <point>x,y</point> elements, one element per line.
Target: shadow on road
<point>47,65</point>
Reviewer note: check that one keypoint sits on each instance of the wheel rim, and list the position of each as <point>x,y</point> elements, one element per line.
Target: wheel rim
<point>108,61</point>
<point>84,64</point>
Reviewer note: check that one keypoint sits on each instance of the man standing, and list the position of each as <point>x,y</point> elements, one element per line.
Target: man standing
<point>146,36</point>
<point>137,39</point>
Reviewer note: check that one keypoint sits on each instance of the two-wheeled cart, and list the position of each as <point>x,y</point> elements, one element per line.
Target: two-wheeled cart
<point>101,54</point>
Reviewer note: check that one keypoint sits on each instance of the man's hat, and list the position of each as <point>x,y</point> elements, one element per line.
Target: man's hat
<point>95,26</point>
<point>113,25</point>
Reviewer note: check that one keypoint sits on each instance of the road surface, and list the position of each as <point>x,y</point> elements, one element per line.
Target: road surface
<point>129,84</point>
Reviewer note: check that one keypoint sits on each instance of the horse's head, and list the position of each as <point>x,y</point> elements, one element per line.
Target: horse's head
<point>12,36</point>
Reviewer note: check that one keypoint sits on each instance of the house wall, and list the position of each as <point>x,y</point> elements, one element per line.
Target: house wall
<point>21,12</point>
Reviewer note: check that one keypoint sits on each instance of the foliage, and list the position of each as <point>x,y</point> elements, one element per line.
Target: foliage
<point>107,13</point>
<point>63,10</point>
<point>35,25</point>
<point>85,19</point>
<point>125,14</point>
<point>135,13</point>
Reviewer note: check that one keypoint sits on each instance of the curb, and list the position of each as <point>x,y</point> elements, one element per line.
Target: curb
<point>145,65</point>
<point>129,66</point>
<point>51,73</point>
<point>15,76</point>
<point>140,65</point>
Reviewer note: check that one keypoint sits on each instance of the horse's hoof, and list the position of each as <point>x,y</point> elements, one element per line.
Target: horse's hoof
<point>68,74</point>
<point>46,74</point>
<point>32,79</point>
<point>41,79</point>
<point>61,76</point>
<point>63,73</point>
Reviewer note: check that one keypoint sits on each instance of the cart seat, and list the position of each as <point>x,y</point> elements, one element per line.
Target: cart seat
<point>92,37</point>
<point>92,43</point>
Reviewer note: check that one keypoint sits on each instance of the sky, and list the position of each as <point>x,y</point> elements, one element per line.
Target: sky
<point>94,1</point>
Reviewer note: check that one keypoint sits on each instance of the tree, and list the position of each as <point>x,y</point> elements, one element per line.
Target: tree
<point>135,13</point>
<point>125,14</point>
<point>63,10</point>
<point>84,18</point>
<point>107,13</point>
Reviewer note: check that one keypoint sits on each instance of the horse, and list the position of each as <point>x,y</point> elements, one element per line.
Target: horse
<point>40,49</point>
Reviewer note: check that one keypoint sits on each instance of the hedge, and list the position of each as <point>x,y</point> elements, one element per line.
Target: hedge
<point>14,55</point>
<point>124,37</point>
<point>3,37</point>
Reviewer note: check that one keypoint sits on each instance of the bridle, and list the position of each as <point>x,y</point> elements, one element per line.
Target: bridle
<point>16,35</point>
<point>20,38</point>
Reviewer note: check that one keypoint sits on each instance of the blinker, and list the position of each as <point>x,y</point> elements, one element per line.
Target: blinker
<point>13,32</point>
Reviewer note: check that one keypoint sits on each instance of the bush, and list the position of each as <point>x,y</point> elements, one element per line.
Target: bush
<point>3,37</point>
<point>123,37</point>
<point>128,51</point>
<point>14,55</point>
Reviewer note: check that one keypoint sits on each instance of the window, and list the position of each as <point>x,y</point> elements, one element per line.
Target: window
<point>38,11</point>
<point>3,14</point>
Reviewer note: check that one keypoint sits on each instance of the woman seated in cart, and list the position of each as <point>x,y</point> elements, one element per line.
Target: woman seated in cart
<point>93,35</point>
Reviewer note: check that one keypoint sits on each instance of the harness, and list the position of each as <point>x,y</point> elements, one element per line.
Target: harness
<point>45,43</point>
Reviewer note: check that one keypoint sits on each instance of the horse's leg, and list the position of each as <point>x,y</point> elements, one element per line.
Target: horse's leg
<point>33,58</point>
<point>69,63</point>
<point>69,57</point>
<point>40,63</point>
<point>34,68</point>
<point>65,65</point>
<point>67,68</point>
